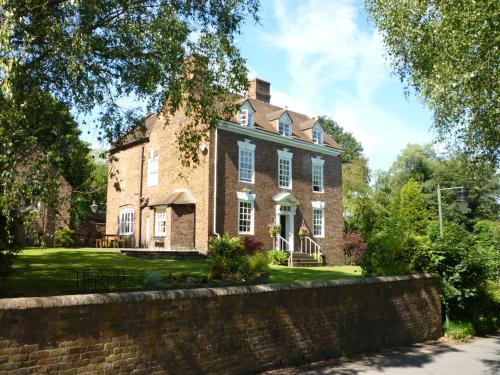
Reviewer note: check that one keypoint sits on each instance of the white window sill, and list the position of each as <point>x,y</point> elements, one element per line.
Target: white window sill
<point>318,192</point>
<point>247,182</point>
<point>246,233</point>
<point>285,187</point>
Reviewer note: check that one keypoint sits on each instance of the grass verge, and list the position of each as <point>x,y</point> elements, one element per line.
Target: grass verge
<point>51,271</point>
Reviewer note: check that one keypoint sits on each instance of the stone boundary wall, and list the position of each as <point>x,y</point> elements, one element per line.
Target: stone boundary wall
<point>233,330</point>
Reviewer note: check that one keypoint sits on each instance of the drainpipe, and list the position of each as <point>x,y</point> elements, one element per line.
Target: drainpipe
<point>140,197</point>
<point>216,151</point>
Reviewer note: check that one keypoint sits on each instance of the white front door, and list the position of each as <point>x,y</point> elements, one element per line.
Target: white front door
<point>285,216</point>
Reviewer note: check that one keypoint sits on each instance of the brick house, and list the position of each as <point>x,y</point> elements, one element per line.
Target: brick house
<point>267,164</point>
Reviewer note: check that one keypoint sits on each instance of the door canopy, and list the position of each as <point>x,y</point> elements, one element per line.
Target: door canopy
<point>286,199</point>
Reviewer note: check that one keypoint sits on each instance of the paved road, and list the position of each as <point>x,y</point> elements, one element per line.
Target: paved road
<point>479,357</point>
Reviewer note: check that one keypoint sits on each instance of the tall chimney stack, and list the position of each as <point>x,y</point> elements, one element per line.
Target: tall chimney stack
<point>260,90</point>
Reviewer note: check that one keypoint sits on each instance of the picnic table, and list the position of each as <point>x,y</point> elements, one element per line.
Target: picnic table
<point>110,240</point>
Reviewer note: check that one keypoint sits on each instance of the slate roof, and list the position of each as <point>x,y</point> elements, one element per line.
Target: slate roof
<point>138,133</point>
<point>264,114</point>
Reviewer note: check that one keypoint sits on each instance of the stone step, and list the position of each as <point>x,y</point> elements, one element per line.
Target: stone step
<point>305,257</point>
<point>304,260</point>
<point>307,264</point>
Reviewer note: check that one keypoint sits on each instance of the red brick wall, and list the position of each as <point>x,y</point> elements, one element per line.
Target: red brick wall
<point>234,330</point>
<point>266,186</point>
<point>183,227</point>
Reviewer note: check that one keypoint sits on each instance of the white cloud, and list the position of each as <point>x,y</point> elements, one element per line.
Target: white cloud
<point>337,68</point>
<point>282,99</point>
<point>382,134</point>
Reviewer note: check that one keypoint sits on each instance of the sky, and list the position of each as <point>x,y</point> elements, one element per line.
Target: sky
<point>323,57</point>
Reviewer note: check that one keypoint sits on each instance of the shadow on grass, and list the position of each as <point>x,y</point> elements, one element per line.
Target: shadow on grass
<point>44,271</point>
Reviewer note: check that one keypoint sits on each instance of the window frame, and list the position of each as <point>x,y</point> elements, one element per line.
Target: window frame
<point>153,175</point>
<point>160,212</point>
<point>318,207</point>
<point>122,224</point>
<point>246,147</point>
<point>318,163</point>
<point>246,115</point>
<point>285,155</point>
<point>249,200</point>
<point>285,120</point>
<point>319,140</point>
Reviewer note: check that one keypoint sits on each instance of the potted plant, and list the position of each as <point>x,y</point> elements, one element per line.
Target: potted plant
<point>303,231</point>
<point>274,229</point>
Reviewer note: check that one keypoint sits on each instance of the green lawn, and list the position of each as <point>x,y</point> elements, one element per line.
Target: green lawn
<point>47,271</point>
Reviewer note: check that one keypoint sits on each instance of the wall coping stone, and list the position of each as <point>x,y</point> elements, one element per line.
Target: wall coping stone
<point>25,303</point>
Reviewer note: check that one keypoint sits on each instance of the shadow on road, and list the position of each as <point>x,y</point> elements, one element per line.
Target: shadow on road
<point>481,356</point>
<point>414,356</point>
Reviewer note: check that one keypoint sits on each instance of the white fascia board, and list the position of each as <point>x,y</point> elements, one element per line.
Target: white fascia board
<point>267,136</point>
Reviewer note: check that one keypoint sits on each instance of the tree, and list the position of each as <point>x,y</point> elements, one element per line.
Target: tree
<point>352,148</point>
<point>359,213</point>
<point>413,216</point>
<point>93,189</point>
<point>421,163</point>
<point>447,51</point>
<point>174,55</point>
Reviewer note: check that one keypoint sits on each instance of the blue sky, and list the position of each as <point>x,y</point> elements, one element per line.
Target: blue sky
<point>322,57</point>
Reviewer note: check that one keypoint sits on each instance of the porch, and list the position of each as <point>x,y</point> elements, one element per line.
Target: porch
<point>308,254</point>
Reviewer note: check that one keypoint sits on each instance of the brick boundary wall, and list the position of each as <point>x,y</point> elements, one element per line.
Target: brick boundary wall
<point>234,330</point>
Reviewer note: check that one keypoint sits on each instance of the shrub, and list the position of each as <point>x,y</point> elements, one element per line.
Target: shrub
<point>459,330</point>
<point>464,267</point>
<point>277,257</point>
<point>251,245</point>
<point>63,237</point>
<point>227,259</point>
<point>153,278</point>
<point>354,247</point>
<point>258,263</point>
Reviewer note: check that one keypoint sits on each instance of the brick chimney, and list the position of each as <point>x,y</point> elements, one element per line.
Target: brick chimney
<point>260,90</point>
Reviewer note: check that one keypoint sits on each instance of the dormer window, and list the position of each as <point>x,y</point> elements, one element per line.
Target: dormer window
<point>317,134</point>
<point>246,116</point>
<point>284,126</point>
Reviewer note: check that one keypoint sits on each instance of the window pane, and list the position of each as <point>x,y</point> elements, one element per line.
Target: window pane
<point>317,177</point>
<point>246,165</point>
<point>318,222</point>
<point>245,217</point>
<point>284,128</point>
<point>126,225</point>
<point>161,222</point>
<point>284,172</point>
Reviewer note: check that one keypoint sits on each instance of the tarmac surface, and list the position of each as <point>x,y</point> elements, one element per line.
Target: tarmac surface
<point>481,356</point>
